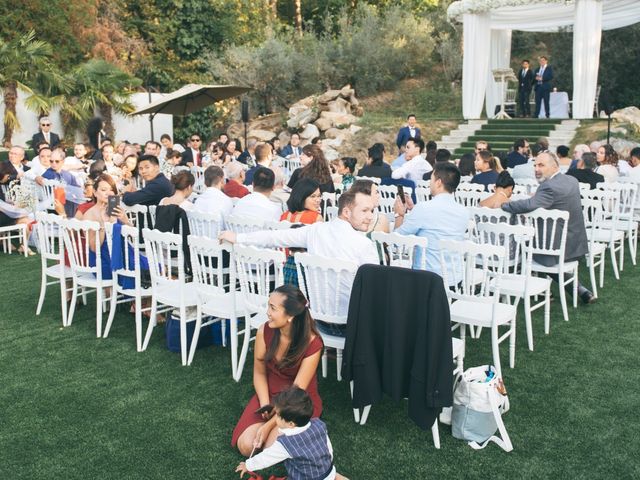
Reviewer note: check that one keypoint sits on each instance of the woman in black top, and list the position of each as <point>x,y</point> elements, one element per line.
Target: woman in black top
<point>316,168</point>
<point>376,166</point>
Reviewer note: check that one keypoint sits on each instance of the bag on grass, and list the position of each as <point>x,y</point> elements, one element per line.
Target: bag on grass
<point>479,399</point>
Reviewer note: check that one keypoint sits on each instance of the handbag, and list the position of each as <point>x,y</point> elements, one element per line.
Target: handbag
<point>479,400</point>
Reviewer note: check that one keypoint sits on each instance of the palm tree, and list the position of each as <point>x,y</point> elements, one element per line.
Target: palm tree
<point>25,64</point>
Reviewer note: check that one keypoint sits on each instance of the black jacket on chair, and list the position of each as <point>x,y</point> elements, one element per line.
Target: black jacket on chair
<point>399,340</point>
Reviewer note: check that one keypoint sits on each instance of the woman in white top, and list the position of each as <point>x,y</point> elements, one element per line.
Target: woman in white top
<point>607,163</point>
<point>183,183</point>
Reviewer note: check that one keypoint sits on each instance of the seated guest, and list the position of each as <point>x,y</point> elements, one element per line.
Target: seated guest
<point>303,207</point>
<point>634,162</point>
<point>415,166</point>
<point>248,157</point>
<point>399,161</point>
<point>258,204</point>
<point>345,168</point>
<point>562,151</point>
<point>8,216</point>
<point>39,165</point>
<point>292,150</point>
<point>481,146</point>
<point>503,190</point>
<point>441,218</point>
<point>380,222</point>
<point>431,149</point>
<point>275,146</point>
<point>584,173</point>
<point>578,150</point>
<point>607,159</point>
<point>45,134</point>
<point>280,195</point>
<point>287,351</point>
<point>152,148</point>
<point>520,153</point>
<point>55,172</point>
<point>442,155</point>
<point>213,200</point>
<point>14,164</point>
<point>235,188</point>
<point>90,199</point>
<point>486,168</point>
<point>375,166</point>
<point>183,183</point>
<point>233,148</point>
<point>192,155</point>
<point>129,171</point>
<point>261,158</point>
<point>156,184</point>
<point>77,163</point>
<point>167,146</point>
<point>467,166</point>
<point>316,168</point>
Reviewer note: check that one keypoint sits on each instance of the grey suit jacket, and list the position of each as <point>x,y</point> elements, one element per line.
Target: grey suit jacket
<point>561,192</point>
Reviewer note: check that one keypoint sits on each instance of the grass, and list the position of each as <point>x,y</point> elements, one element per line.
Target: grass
<point>74,406</point>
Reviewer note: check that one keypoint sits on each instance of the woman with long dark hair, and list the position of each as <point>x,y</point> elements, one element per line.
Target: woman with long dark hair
<point>316,168</point>
<point>287,352</point>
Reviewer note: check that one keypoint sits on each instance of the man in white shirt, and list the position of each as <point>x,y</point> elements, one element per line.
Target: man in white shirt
<point>212,200</point>
<point>441,218</point>
<point>39,166</point>
<point>258,204</point>
<point>415,165</point>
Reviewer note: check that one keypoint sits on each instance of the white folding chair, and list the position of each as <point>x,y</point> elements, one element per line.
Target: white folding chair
<point>203,224</point>
<point>486,215</point>
<point>593,218</point>
<point>423,194</point>
<point>530,184</point>
<point>470,187</point>
<point>330,213</point>
<point>626,209</point>
<point>131,274</point>
<point>478,304</point>
<point>169,286</point>
<point>550,240</point>
<point>258,271</point>
<point>138,215</point>
<point>198,173</point>
<point>87,275</point>
<point>390,192</point>
<point>51,247</point>
<point>14,232</point>
<point>273,225</point>
<point>470,198</point>
<point>45,194</point>
<point>243,224</point>
<point>517,240</point>
<point>327,283</point>
<point>401,250</point>
<point>375,180</point>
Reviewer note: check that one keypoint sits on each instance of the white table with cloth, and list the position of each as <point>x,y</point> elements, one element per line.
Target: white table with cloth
<point>558,104</point>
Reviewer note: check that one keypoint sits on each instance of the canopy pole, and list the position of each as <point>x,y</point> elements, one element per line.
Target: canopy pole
<point>587,34</point>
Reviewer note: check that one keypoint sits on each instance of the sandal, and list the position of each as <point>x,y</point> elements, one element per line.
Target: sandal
<point>30,252</point>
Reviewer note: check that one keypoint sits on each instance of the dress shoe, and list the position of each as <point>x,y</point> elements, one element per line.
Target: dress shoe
<point>588,298</point>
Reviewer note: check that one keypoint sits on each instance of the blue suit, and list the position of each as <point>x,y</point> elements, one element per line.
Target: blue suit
<point>543,90</point>
<point>404,135</point>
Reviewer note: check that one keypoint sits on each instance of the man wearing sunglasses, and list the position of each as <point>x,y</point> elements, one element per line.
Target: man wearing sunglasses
<point>192,156</point>
<point>45,134</point>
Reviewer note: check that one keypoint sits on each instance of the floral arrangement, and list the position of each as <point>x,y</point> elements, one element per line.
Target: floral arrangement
<point>457,9</point>
<point>22,195</point>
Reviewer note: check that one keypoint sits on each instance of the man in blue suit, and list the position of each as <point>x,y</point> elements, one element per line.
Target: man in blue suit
<point>410,132</point>
<point>544,75</point>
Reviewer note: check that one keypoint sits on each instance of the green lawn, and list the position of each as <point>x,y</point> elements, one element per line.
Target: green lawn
<point>74,406</point>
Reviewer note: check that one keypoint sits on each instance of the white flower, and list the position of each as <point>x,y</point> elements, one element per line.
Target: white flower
<point>457,9</point>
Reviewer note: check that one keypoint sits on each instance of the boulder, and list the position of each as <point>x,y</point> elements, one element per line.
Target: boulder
<point>333,142</point>
<point>339,119</point>
<point>339,105</point>
<point>353,129</point>
<point>629,115</point>
<point>323,123</point>
<point>329,95</point>
<point>261,135</point>
<point>333,132</point>
<point>347,91</point>
<point>284,138</point>
<point>302,118</point>
<point>330,153</point>
<point>357,110</point>
<point>622,146</point>
<point>353,101</point>
<point>272,122</point>
<point>310,132</point>
<point>302,105</point>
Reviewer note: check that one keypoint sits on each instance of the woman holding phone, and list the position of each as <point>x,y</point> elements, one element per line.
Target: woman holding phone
<point>287,352</point>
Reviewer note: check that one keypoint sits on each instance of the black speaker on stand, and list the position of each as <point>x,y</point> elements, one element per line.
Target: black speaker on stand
<point>606,104</point>
<point>245,118</point>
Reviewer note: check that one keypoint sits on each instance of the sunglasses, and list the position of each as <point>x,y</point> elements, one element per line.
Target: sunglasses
<point>55,161</point>
<point>45,124</point>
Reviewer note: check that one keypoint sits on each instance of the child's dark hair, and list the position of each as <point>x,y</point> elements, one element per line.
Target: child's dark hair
<point>505,180</point>
<point>294,405</point>
<point>350,163</point>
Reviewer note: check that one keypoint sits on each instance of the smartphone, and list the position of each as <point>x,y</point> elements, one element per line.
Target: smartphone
<point>112,203</point>
<point>265,409</point>
<point>401,194</point>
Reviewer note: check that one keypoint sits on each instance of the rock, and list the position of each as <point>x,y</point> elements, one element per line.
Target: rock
<point>347,91</point>
<point>333,142</point>
<point>353,129</point>
<point>329,95</point>
<point>302,105</point>
<point>622,146</point>
<point>627,115</point>
<point>330,154</point>
<point>339,119</point>
<point>310,132</point>
<point>353,101</point>
<point>357,110</point>
<point>272,122</point>
<point>323,123</point>
<point>261,135</point>
<point>621,130</point>
<point>339,105</point>
<point>332,132</point>
<point>284,138</point>
<point>302,118</point>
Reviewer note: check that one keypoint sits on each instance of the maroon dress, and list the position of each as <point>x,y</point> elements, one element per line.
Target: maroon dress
<point>279,380</point>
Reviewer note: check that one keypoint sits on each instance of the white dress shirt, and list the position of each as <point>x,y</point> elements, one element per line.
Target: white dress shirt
<point>634,174</point>
<point>214,201</point>
<point>414,169</point>
<point>257,205</point>
<point>609,172</point>
<point>335,239</point>
<point>36,169</point>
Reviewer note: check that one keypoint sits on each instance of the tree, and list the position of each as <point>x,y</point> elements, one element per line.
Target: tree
<point>24,62</point>
<point>298,17</point>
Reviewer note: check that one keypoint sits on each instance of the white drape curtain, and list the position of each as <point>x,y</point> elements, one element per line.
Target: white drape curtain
<point>475,62</point>
<point>499,57</point>
<point>587,33</point>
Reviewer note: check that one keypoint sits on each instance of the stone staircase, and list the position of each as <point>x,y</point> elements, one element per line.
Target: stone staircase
<point>500,134</point>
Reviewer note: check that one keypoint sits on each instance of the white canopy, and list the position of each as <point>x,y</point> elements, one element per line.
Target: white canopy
<point>487,26</point>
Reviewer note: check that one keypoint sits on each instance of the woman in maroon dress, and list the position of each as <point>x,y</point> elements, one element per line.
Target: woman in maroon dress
<point>287,351</point>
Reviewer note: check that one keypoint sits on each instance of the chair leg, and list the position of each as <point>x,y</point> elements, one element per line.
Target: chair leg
<point>63,300</point>
<point>152,323</point>
<point>183,335</point>
<point>563,296</point>
<point>99,293</point>
<point>365,414</point>
<point>435,433</point>
<point>614,262</point>
<point>512,343</point>
<point>324,363</point>
<point>233,325</point>
<point>592,275</point>
<point>43,291</point>
<point>621,254</point>
<point>527,320</point>
<point>245,347</point>
<point>223,331</point>
<point>633,245</point>
<point>138,320</point>
<point>547,310</point>
<point>339,364</point>
<point>196,334</point>
<point>74,299</point>
<point>112,313</point>
<point>495,348</point>
<point>575,288</point>
<point>602,260</point>
<point>356,411</point>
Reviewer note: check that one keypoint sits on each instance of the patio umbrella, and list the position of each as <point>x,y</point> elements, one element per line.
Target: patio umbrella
<point>189,99</point>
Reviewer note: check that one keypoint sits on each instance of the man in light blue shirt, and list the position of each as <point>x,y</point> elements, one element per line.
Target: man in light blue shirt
<point>438,219</point>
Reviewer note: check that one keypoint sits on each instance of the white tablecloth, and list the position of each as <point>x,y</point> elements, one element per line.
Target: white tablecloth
<point>558,104</point>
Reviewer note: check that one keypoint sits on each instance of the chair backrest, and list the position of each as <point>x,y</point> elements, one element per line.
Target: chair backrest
<point>330,213</point>
<point>609,199</point>
<point>328,199</point>
<point>390,191</point>
<point>203,224</point>
<point>50,236</point>
<point>137,215</point>
<point>45,193</point>
<point>550,231</point>
<point>385,205</point>
<point>78,236</point>
<point>207,263</point>
<point>327,284</point>
<point>290,164</point>
<point>530,184</point>
<point>131,258</point>
<point>517,240</point>
<point>152,215</point>
<point>375,180</point>
<point>593,218</point>
<point>401,250</point>
<point>469,187</point>
<point>423,194</point>
<point>470,198</point>
<point>259,271</point>
<point>166,259</point>
<point>241,224</point>
<point>198,173</point>
<point>627,197</point>
<point>424,184</point>
<point>477,269</point>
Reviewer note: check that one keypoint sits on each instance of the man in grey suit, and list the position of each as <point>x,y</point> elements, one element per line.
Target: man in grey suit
<point>557,192</point>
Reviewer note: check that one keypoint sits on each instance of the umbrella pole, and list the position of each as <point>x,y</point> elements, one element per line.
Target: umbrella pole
<point>151,125</point>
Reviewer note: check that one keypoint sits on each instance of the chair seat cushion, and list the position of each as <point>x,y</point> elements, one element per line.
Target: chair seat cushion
<point>476,313</point>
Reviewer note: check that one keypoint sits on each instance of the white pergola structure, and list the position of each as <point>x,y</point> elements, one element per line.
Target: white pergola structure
<point>487,27</point>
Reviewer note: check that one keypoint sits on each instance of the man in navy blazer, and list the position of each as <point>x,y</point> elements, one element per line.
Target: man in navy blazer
<point>157,186</point>
<point>520,153</point>
<point>409,132</point>
<point>544,75</point>
<point>525,83</point>
<point>45,135</point>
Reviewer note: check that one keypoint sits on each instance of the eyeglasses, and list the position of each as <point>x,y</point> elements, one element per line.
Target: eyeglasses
<point>45,124</point>
<point>55,161</point>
